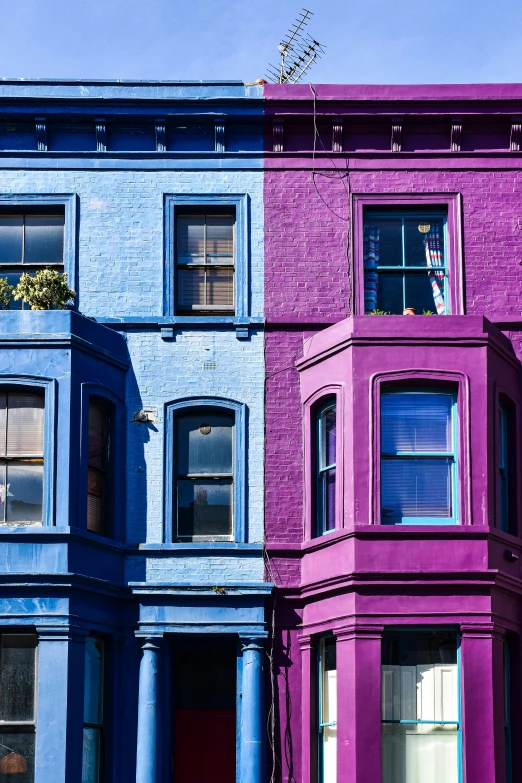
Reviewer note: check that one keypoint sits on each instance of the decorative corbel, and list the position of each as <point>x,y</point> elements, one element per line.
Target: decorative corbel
<point>41,133</point>
<point>456,133</point>
<point>396,134</point>
<point>101,134</point>
<point>219,134</point>
<point>277,134</point>
<point>337,134</point>
<point>515,141</point>
<point>161,134</point>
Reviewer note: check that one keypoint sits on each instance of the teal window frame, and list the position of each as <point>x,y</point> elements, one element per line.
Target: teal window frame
<point>507,712</point>
<point>394,213</point>
<point>503,467</point>
<point>323,470</point>
<point>453,455</point>
<point>458,722</point>
<point>320,724</point>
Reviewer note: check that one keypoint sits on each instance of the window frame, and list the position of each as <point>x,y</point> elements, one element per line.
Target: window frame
<point>450,203</point>
<point>506,464</point>
<point>459,722</point>
<point>240,469</point>
<point>47,386</point>
<point>453,520</point>
<point>173,204</point>
<point>68,201</point>
<point>99,727</point>
<point>321,471</point>
<point>320,724</point>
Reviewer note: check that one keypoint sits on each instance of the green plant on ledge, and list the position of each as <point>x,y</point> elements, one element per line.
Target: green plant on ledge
<point>45,290</point>
<point>428,312</point>
<point>6,292</point>
<point>378,312</point>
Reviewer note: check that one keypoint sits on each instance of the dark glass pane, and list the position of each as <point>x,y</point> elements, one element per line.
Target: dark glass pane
<point>328,437</point>
<point>191,238</point>
<point>418,648</point>
<point>330,654</point>
<point>96,480</point>
<point>205,508</point>
<point>390,297</point>
<point>220,238</point>
<point>204,443</point>
<point>416,488</point>
<point>220,287</point>
<point>416,230</point>
<point>24,492</point>
<point>17,765</point>
<point>416,421</point>
<point>25,424</point>
<point>92,703</point>
<point>419,293</point>
<point>91,755</point>
<point>191,288</point>
<point>327,483</point>
<point>99,427</point>
<point>390,240</point>
<point>13,278</point>
<point>17,677</point>
<point>11,239</point>
<point>43,240</point>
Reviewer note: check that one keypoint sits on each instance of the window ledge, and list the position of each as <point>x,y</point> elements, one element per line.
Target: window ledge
<point>181,320</point>
<point>200,546</point>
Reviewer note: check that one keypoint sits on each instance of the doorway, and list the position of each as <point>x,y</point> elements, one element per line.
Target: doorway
<point>204,718</point>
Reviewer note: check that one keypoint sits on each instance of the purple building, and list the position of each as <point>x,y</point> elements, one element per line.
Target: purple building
<point>393,443</point>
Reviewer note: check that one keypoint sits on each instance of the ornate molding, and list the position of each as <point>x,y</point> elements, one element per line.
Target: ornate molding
<point>277,134</point>
<point>515,141</point>
<point>101,134</point>
<point>396,134</point>
<point>337,135</point>
<point>41,133</point>
<point>160,130</point>
<point>219,134</point>
<point>456,133</point>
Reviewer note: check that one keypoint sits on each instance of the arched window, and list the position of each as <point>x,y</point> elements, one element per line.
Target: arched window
<point>21,456</point>
<point>326,467</point>
<point>99,465</point>
<point>204,473</point>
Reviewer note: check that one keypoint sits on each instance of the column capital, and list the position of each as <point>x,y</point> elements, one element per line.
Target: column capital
<point>482,631</point>
<point>353,631</point>
<point>252,643</point>
<point>150,641</point>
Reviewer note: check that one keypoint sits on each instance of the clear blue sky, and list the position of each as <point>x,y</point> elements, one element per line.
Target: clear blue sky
<point>374,41</point>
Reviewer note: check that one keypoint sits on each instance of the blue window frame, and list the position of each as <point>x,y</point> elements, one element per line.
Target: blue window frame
<point>205,471</point>
<point>93,710</point>
<point>405,261</point>
<point>327,709</point>
<point>419,457</point>
<point>420,706</point>
<point>37,231</point>
<point>326,467</point>
<point>217,274</point>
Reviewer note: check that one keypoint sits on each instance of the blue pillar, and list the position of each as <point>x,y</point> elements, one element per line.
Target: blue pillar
<point>252,712</point>
<point>147,751</point>
<point>59,735</point>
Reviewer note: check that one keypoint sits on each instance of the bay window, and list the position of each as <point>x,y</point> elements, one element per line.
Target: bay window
<point>418,456</point>
<point>420,707</point>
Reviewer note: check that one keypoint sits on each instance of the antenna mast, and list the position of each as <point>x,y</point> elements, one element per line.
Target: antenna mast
<point>298,52</point>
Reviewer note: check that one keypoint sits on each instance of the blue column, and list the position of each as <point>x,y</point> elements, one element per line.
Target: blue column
<point>59,734</point>
<point>252,712</point>
<point>147,751</point>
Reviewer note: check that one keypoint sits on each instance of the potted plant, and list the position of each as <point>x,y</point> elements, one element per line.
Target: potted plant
<point>45,290</point>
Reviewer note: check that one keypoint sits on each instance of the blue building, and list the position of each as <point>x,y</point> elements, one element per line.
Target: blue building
<point>132,584</point>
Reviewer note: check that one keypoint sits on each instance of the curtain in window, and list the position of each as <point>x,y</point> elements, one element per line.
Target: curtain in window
<point>435,258</point>
<point>371,262</point>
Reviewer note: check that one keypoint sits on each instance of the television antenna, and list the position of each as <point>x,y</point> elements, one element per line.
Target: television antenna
<point>298,51</point>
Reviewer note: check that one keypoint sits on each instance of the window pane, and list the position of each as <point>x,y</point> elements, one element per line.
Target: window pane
<point>328,437</point>
<point>25,424</point>
<point>17,677</point>
<point>13,278</point>
<point>220,238</point>
<point>419,293</point>
<point>92,704</point>
<point>328,752</point>
<point>24,492</point>
<point>390,294</point>
<point>416,488</point>
<point>17,766</point>
<point>390,241</point>
<point>327,495</point>
<point>416,421</point>
<point>95,500</point>
<point>91,755</point>
<point>205,508</point>
<point>98,435</point>
<point>11,233</point>
<point>191,288</point>
<point>204,443</point>
<point>220,287</point>
<point>415,240</point>
<point>43,240</point>
<point>419,754</point>
<point>191,239</point>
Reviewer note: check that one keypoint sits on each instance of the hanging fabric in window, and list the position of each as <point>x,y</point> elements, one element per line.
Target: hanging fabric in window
<point>435,258</point>
<point>371,262</point>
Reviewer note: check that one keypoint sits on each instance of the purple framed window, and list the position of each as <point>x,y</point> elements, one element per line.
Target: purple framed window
<point>326,467</point>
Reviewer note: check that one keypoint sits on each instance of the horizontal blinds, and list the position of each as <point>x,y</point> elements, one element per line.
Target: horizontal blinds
<point>416,422</point>
<point>416,487</point>
<point>24,418</point>
<point>209,288</point>
<point>424,692</point>
<point>205,239</point>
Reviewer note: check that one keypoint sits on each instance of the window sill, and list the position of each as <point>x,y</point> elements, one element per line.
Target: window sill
<point>183,320</point>
<point>199,546</point>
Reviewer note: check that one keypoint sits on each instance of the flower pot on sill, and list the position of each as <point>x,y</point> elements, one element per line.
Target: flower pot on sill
<point>409,311</point>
